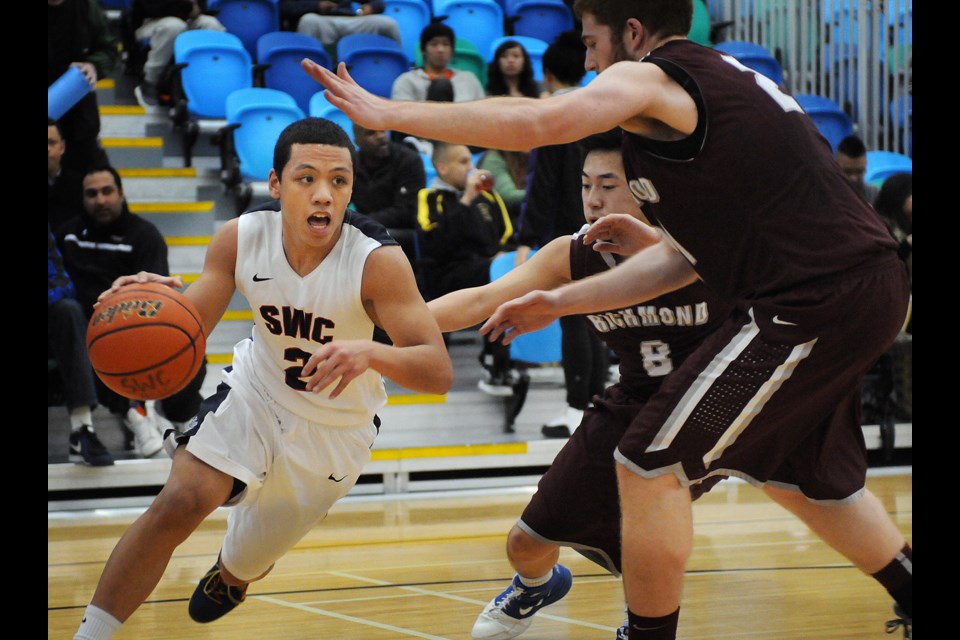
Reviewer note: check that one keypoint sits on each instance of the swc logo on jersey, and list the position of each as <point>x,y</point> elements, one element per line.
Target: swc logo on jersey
<point>296,323</point>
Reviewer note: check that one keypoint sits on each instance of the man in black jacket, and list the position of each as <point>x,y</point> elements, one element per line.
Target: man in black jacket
<point>387,178</point>
<point>105,242</point>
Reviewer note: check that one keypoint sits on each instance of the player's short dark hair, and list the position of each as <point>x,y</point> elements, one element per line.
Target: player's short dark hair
<point>100,168</point>
<point>852,147</point>
<point>435,30</point>
<point>660,17</point>
<point>564,58</point>
<point>309,131</point>
<point>604,141</point>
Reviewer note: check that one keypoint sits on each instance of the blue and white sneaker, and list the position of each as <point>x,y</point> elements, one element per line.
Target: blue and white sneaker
<point>510,613</point>
<point>623,633</point>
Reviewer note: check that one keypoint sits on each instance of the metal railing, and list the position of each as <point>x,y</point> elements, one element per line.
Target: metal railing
<point>858,53</point>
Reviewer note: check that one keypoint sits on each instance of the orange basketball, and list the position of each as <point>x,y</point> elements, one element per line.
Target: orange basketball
<point>146,341</point>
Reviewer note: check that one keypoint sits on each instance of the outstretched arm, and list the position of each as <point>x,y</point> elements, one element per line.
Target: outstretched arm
<point>628,94</point>
<point>417,359</point>
<point>654,271</point>
<point>549,268</point>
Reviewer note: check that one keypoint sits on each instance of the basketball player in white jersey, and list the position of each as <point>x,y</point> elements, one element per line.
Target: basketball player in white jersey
<point>290,427</point>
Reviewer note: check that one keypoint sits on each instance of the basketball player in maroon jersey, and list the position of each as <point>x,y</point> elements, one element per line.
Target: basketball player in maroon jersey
<point>744,188</point>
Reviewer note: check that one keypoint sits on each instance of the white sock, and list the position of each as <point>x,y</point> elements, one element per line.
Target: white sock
<point>81,416</point>
<point>97,624</point>
<point>536,582</point>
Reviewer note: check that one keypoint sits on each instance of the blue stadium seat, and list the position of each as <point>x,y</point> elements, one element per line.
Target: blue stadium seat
<point>209,65</point>
<point>255,118</point>
<point>320,108</point>
<point>374,61</point>
<point>883,164</point>
<point>479,21</point>
<point>248,19</point>
<point>428,167</point>
<point>542,19</point>
<point>537,347</point>
<point>214,64</point>
<point>830,119</point>
<point>411,17</point>
<point>534,46</point>
<point>278,60</point>
<point>755,56</point>
<point>541,347</point>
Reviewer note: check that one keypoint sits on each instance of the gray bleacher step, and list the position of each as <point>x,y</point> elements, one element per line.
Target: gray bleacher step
<point>178,218</point>
<point>134,151</point>
<point>106,91</point>
<point>185,259</point>
<point>128,121</point>
<point>161,188</point>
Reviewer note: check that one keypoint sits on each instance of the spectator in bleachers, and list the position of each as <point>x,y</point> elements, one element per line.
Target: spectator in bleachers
<point>552,208</point>
<point>78,36</point>
<point>64,184</point>
<point>510,73</point>
<point>463,226</point>
<point>105,242</point>
<point>509,171</point>
<point>894,203</point>
<point>436,44</point>
<point>852,158</point>
<point>329,20</point>
<point>160,22</point>
<point>387,178</point>
<point>66,342</point>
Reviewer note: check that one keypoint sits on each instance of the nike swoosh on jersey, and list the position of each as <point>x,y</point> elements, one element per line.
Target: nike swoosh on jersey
<point>777,320</point>
<point>331,475</point>
<point>257,278</point>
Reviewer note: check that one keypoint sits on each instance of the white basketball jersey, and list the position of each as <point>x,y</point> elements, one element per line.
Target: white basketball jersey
<point>294,315</point>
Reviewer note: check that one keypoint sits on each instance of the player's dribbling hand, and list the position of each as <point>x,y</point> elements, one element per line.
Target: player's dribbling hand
<point>139,278</point>
<point>345,360</point>
<point>525,314</point>
<point>622,234</point>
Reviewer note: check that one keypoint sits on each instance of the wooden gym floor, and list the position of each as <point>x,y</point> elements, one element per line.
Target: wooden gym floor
<point>424,565</point>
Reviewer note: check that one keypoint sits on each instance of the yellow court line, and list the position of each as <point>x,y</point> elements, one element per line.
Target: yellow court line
<point>451,451</point>
<point>122,110</point>
<point>158,172</point>
<point>131,142</point>
<point>203,206</point>
<point>187,241</point>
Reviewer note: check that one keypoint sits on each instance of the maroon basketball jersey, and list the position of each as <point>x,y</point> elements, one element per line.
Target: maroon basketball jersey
<point>650,339</point>
<point>753,198</point>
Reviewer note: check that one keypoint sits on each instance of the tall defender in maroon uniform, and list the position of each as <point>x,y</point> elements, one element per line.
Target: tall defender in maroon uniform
<point>751,201</point>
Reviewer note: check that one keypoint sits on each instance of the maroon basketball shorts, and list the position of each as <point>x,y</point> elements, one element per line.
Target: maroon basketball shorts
<point>775,394</point>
